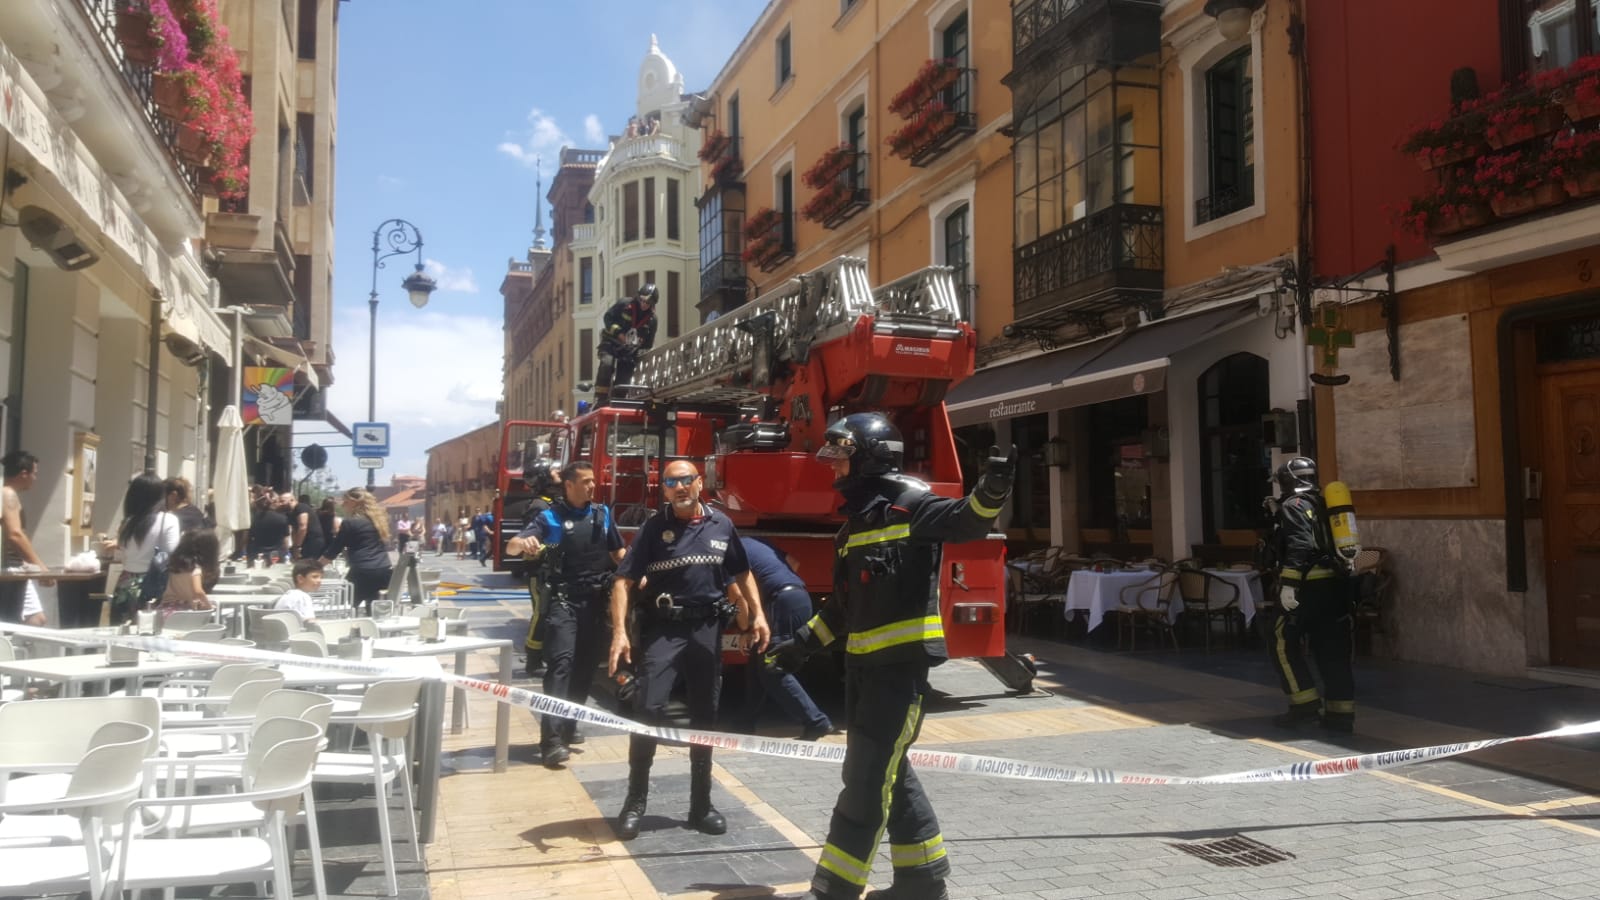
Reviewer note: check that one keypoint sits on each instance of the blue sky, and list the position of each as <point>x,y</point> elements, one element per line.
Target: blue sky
<point>441,108</point>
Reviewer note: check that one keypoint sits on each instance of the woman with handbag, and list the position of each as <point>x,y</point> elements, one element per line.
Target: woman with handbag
<point>363,538</point>
<point>148,535</point>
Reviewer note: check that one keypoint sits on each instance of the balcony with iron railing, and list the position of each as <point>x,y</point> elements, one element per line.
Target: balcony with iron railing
<point>1083,31</point>
<point>840,180</point>
<point>1108,260</point>
<point>722,153</point>
<point>139,79</point>
<point>1225,202</point>
<point>938,110</point>
<point>769,239</point>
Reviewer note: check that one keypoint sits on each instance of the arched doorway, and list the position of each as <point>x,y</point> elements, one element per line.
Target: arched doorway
<point>1235,461</point>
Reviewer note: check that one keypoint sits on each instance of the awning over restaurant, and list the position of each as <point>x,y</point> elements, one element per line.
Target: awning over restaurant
<point>1122,365</point>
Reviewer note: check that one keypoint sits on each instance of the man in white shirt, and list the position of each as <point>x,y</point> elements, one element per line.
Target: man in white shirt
<point>307,581</point>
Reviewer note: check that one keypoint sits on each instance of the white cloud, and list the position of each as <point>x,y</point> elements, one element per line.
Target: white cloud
<point>439,375</point>
<point>455,281</point>
<point>389,183</point>
<point>594,135</point>
<point>542,138</point>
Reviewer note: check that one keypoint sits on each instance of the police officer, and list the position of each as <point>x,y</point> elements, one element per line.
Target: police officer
<point>788,607</point>
<point>689,551</point>
<point>630,329</point>
<point>1317,595</point>
<point>542,477</point>
<point>578,546</point>
<point>885,607</point>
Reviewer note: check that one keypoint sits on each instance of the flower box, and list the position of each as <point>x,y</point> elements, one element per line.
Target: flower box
<point>1580,108</point>
<point>1511,205</point>
<point>1458,219</point>
<point>194,147</point>
<point>135,36</point>
<point>1524,126</point>
<point>1446,157</point>
<point>1583,185</point>
<point>168,93</point>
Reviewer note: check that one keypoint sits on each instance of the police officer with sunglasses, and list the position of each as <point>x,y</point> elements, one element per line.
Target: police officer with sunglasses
<point>685,555</point>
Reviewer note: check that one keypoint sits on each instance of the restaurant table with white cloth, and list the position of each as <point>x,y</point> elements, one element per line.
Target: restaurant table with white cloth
<point>1101,592</point>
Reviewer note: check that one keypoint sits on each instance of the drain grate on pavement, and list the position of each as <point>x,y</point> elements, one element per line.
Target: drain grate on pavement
<point>1235,852</point>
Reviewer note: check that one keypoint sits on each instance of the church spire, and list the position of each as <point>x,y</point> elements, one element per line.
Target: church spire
<point>538,227</point>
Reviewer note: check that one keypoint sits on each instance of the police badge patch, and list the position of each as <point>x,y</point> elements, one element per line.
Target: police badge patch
<point>669,536</point>
<point>568,524</point>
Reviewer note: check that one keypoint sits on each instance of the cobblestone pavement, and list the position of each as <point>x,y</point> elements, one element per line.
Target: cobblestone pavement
<point>1513,822</point>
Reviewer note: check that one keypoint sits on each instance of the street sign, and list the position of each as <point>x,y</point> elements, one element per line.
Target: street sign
<point>370,438</point>
<point>369,462</point>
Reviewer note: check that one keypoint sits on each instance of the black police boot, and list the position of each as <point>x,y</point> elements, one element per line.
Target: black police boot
<point>912,890</point>
<point>702,815</point>
<point>553,753</point>
<point>570,735</point>
<point>633,807</point>
<point>1341,723</point>
<point>1299,714</point>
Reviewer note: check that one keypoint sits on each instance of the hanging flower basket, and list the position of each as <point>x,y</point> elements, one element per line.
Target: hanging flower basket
<point>135,35</point>
<point>168,93</point>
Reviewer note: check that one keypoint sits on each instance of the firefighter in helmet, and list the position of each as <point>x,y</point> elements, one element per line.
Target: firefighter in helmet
<point>630,329</point>
<point>541,477</point>
<point>1317,596</point>
<point>885,610</point>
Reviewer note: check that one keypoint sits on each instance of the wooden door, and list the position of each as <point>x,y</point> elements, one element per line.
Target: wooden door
<point>1572,515</point>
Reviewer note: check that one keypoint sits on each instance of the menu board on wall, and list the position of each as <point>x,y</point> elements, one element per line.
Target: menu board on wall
<point>1419,432</point>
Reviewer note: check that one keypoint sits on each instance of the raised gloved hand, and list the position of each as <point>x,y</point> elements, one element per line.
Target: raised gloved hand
<point>786,657</point>
<point>999,473</point>
<point>1287,598</point>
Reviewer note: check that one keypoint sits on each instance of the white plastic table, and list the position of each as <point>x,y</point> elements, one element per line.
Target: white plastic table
<point>459,646</point>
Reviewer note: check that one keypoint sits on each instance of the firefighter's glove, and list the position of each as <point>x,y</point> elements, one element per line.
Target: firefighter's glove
<point>1286,598</point>
<point>998,474</point>
<point>787,657</point>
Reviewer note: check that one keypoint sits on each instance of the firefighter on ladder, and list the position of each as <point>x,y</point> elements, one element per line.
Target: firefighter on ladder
<point>630,329</point>
<point>1317,595</point>
<point>886,610</point>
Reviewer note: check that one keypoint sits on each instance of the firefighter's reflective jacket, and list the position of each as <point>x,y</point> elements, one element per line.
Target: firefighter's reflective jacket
<point>885,602</point>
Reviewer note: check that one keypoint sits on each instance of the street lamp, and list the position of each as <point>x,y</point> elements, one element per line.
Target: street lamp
<point>400,237</point>
<point>1233,16</point>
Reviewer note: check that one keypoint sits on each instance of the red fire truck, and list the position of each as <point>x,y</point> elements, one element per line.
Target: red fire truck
<point>748,396</point>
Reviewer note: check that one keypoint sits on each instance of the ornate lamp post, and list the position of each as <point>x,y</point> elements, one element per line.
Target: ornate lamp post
<point>395,237</point>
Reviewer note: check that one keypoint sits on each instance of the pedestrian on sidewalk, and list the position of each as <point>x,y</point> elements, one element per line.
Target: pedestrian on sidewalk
<point>577,546</point>
<point>691,552</point>
<point>885,606</point>
<point>364,540</point>
<point>1318,600</point>
<point>787,604</point>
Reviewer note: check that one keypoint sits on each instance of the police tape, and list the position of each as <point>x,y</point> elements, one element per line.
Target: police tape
<point>926,760</point>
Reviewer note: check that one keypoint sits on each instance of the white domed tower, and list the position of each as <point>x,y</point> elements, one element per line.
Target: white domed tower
<point>646,228</point>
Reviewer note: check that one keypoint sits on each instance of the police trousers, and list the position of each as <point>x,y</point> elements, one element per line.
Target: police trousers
<point>884,708</point>
<point>1324,622</point>
<point>665,651</point>
<point>574,625</point>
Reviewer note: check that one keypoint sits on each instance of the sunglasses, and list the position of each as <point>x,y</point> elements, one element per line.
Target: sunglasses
<point>678,481</point>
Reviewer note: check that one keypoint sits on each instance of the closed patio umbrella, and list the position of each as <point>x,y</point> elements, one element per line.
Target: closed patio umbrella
<point>231,483</point>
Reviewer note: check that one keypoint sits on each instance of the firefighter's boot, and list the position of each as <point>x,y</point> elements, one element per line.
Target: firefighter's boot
<point>638,793</point>
<point>1299,714</point>
<point>702,815</point>
<point>912,890</point>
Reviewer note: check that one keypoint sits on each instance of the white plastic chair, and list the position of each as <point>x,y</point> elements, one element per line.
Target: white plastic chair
<point>209,633</point>
<point>102,787</point>
<point>45,737</point>
<point>44,829</point>
<point>276,774</point>
<point>187,620</point>
<point>307,643</point>
<point>7,694</point>
<point>387,712</point>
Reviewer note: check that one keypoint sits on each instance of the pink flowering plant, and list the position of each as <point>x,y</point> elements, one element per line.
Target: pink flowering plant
<point>1444,141</point>
<point>1444,207</point>
<point>1514,172</point>
<point>172,44</point>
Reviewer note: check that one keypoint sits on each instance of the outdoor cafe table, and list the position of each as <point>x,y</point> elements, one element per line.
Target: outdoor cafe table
<point>72,672</point>
<point>460,646</point>
<point>1248,581</point>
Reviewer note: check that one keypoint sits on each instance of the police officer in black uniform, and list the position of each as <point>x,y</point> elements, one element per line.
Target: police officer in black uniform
<point>687,552</point>
<point>787,604</point>
<point>630,329</point>
<point>1317,595</point>
<point>578,547</point>
<point>885,607</point>
<point>543,477</point>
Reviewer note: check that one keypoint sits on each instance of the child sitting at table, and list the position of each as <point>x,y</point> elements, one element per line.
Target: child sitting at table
<point>307,580</point>
<point>185,567</point>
